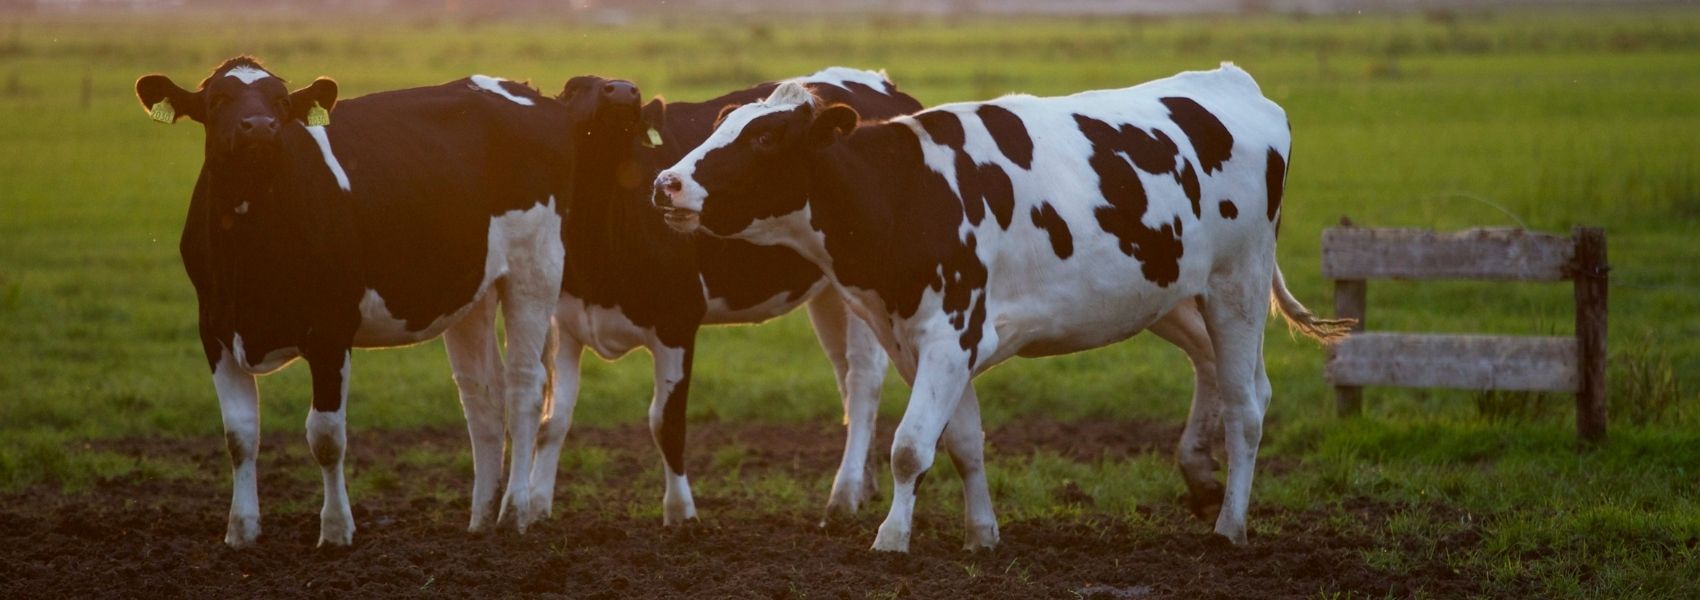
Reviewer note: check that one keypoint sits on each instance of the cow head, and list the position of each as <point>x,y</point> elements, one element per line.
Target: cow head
<point>608,126</point>
<point>242,106</point>
<point>753,167</point>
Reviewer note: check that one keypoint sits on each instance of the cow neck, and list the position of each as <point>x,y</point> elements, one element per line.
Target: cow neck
<point>852,189</point>
<point>612,223</point>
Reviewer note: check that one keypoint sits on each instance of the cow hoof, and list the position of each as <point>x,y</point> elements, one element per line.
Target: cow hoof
<point>981,537</point>
<point>336,535</point>
<point>1236,537</point>
<point>891,539</point>
<point>1205,501</point>
<point>242,532</point>
<point>677,513</point>
<point>542,506</point>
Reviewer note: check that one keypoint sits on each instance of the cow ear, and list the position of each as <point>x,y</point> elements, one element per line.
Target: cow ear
<point>836,121</point>
<point>724,110</point>
<point>653,119</point>
<point>312,104</point>
<point>165,101</point>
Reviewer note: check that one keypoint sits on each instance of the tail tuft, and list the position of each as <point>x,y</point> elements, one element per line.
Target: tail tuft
<point>1301,320</point>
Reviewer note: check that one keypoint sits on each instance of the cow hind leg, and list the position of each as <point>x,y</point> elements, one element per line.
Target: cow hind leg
<point>477,365</point>
<point>667,426</point>
<point>860,365</point>
<point>1184,327</point>
<point>527,323</point>
<point>239,403</point>
<point>1235,314</point>
<point>557,419</point>
<point>965,440</point>
<point>327,437</point>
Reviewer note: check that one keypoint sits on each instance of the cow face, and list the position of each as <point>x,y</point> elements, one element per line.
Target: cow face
<point>606,106</point>
<point>242,106</point>
<point>753,167</point>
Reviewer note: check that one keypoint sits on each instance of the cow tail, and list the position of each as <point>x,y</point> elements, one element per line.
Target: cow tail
<point>1300,319</point>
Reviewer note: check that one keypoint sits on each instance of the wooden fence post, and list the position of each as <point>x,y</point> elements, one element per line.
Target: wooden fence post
<point>1350,300</point>
<point>1590,270</point>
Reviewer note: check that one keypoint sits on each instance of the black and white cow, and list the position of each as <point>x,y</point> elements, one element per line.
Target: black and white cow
<point>406,219</point>
<point>972,233</point>
<point>631,281</point>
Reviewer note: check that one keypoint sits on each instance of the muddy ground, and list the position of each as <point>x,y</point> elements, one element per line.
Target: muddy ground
<point>155,537</point>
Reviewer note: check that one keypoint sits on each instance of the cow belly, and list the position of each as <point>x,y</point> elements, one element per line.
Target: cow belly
<point>606,331</point>
<point>380,329</point>
<point>511,236</point>
<point>781,303</point>
<point>1063,311</point>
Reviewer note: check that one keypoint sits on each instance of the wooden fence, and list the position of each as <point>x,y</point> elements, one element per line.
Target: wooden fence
<point>1351,256</point>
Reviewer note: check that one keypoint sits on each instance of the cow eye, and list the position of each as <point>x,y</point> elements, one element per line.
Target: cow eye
<point>283,103</point>
<point>216,102</point>
<point>764,141</point>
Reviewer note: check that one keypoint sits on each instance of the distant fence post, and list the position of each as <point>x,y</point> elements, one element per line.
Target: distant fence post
<point>1353,255</point>
<point>1350,301</point>
<point>1589,274</point>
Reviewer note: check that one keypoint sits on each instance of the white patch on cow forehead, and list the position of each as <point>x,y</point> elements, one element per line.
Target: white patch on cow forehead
<point>494,86</point>
<point>840,76</point>
<point>246,74</point>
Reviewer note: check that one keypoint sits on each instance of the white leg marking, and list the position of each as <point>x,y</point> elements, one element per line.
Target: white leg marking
<point>941,376</point>
<point>239,403</point>
<point>528,294</point>
<point>477,365</point>
<point>327,436</point>
<point>557,420</point>
<point>672,369</point>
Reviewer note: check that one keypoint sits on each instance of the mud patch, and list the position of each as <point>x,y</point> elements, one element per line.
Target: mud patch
<point>142,537</point>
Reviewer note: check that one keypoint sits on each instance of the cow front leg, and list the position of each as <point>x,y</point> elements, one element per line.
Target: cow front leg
<point>557,419</point>
<point>1184,327</point>
<point>667,425</point>
<point>965,440</point>
<point>942,375</point>
<point>477,365</point>
<point>239,404</point>
<point>327,436</point>
<point>860,365</point>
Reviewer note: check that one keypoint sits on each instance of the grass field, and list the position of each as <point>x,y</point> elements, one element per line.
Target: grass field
<point>1547,120</point>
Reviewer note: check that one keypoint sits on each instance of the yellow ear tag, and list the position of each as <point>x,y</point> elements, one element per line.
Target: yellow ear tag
<point>163,112</point>
<point>318,116</point>
<point>654,138</point>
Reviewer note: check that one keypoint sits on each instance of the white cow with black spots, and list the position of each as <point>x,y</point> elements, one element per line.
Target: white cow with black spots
<point>972,233</point>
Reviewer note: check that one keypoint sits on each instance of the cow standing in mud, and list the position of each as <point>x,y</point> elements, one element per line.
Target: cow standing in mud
<point>972,233</point>
<point>630,281</point>
<point>419,213</point>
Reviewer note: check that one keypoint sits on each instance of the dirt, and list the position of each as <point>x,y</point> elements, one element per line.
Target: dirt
<point>161,537</point>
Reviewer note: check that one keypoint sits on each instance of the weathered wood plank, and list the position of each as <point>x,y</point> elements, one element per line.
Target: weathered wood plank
<point>1591,269</point>
<point>1494,254</point>
<point>1471,362</point>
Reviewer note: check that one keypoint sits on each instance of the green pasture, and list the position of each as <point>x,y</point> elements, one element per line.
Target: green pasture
<point>1546,120</point>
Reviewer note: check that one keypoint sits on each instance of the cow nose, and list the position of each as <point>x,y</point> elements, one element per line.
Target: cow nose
<point>259,128</point>
<point>667,186</point>
<point>620,92</point>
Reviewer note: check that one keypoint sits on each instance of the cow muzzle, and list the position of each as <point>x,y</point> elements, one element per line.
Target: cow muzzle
<point>669,196</point>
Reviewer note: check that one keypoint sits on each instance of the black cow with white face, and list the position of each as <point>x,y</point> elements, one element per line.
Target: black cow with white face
<point>972,233</point>
<point>630,281</point>
<point>403,220</point>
